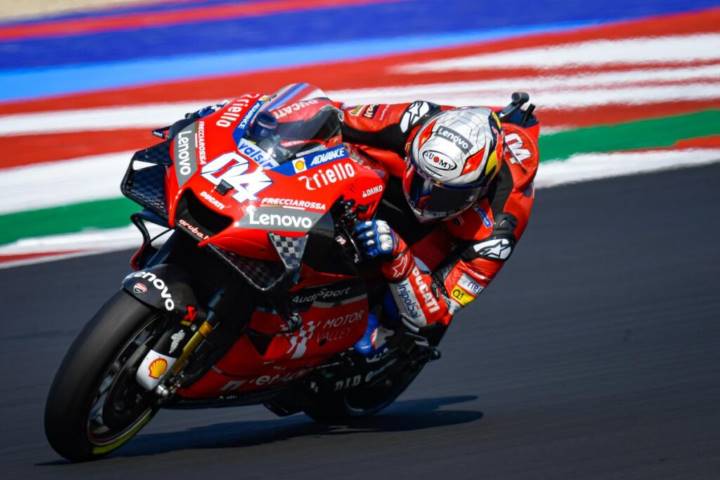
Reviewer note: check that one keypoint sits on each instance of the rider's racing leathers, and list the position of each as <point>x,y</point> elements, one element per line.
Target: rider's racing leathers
<point>443,266</point>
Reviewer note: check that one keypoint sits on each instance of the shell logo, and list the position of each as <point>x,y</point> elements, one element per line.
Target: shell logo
<point>299,165</point>
<point>157,368</point>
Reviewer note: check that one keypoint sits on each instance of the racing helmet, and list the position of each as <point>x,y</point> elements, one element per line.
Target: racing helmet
<point>452,161</point>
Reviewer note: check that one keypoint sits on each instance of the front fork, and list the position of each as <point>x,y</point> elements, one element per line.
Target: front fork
<point>161,369</point>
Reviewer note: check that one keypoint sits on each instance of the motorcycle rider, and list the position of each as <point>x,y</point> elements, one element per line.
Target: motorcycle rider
<point>458,200</point>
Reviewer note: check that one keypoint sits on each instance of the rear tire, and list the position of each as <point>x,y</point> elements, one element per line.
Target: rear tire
<point>95,405</point>
<point>344,407</point>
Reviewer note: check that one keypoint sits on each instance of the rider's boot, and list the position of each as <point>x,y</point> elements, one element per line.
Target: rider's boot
<point>374,341</point>
<point>422,339</point>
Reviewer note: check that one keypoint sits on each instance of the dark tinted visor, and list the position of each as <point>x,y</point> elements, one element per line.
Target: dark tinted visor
<point>432,200</point>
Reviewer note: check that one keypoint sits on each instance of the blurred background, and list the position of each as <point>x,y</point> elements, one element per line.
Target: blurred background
<point>621,86</point>
<point>594,354</point>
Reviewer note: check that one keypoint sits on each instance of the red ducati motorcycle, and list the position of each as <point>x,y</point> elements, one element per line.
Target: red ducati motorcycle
<point>257,294</point>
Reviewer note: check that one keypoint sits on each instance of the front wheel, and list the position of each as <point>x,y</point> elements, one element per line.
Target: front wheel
<point>95,404</point>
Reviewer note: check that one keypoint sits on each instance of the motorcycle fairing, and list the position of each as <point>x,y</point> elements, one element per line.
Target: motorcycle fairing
<point>326,330</point>
<point>287,200</point>
<point>165,287</point>
<point>270,219</point>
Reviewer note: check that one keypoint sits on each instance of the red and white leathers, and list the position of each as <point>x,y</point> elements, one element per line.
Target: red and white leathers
<point>440,267</point>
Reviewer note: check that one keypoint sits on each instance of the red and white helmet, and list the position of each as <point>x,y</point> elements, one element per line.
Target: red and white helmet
<point>452,161</point>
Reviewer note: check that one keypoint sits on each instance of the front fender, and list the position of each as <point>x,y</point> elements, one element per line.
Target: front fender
<point>165,287</point>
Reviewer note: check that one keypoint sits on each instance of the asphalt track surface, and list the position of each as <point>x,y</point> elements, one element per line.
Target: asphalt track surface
<point>595,355</point>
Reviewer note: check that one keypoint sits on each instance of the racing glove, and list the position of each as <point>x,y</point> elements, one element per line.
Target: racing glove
<point>378,241</point>
<point>412,298</point>
<point>170,131</point>
<point>205,111</point>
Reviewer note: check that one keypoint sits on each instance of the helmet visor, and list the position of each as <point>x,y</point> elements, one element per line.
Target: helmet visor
<point>431,200</point>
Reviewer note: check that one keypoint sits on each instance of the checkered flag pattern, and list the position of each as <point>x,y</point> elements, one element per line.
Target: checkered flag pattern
<point>290,249</point>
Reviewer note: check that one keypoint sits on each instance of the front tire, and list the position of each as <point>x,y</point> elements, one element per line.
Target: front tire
<point>95,405</point>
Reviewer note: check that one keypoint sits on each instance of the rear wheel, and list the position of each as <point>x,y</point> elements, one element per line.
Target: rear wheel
<point>95,404</point>
<point>363,401</point>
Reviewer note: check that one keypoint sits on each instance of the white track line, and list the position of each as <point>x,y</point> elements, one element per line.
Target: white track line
<point>638,77</point>
<point>594,166</point>
<point>678,48</point>
<point>565,99</point>
<point>61,183</point>
<point>553,91</point>
<point>151,115</point>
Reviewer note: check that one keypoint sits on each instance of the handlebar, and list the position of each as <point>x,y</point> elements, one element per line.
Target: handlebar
<point>347,217</point>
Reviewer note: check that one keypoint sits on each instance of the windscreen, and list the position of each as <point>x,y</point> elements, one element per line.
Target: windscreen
<point>296,120</point>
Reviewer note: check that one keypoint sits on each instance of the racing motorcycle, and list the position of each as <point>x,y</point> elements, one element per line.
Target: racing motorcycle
<point>253,292</point>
